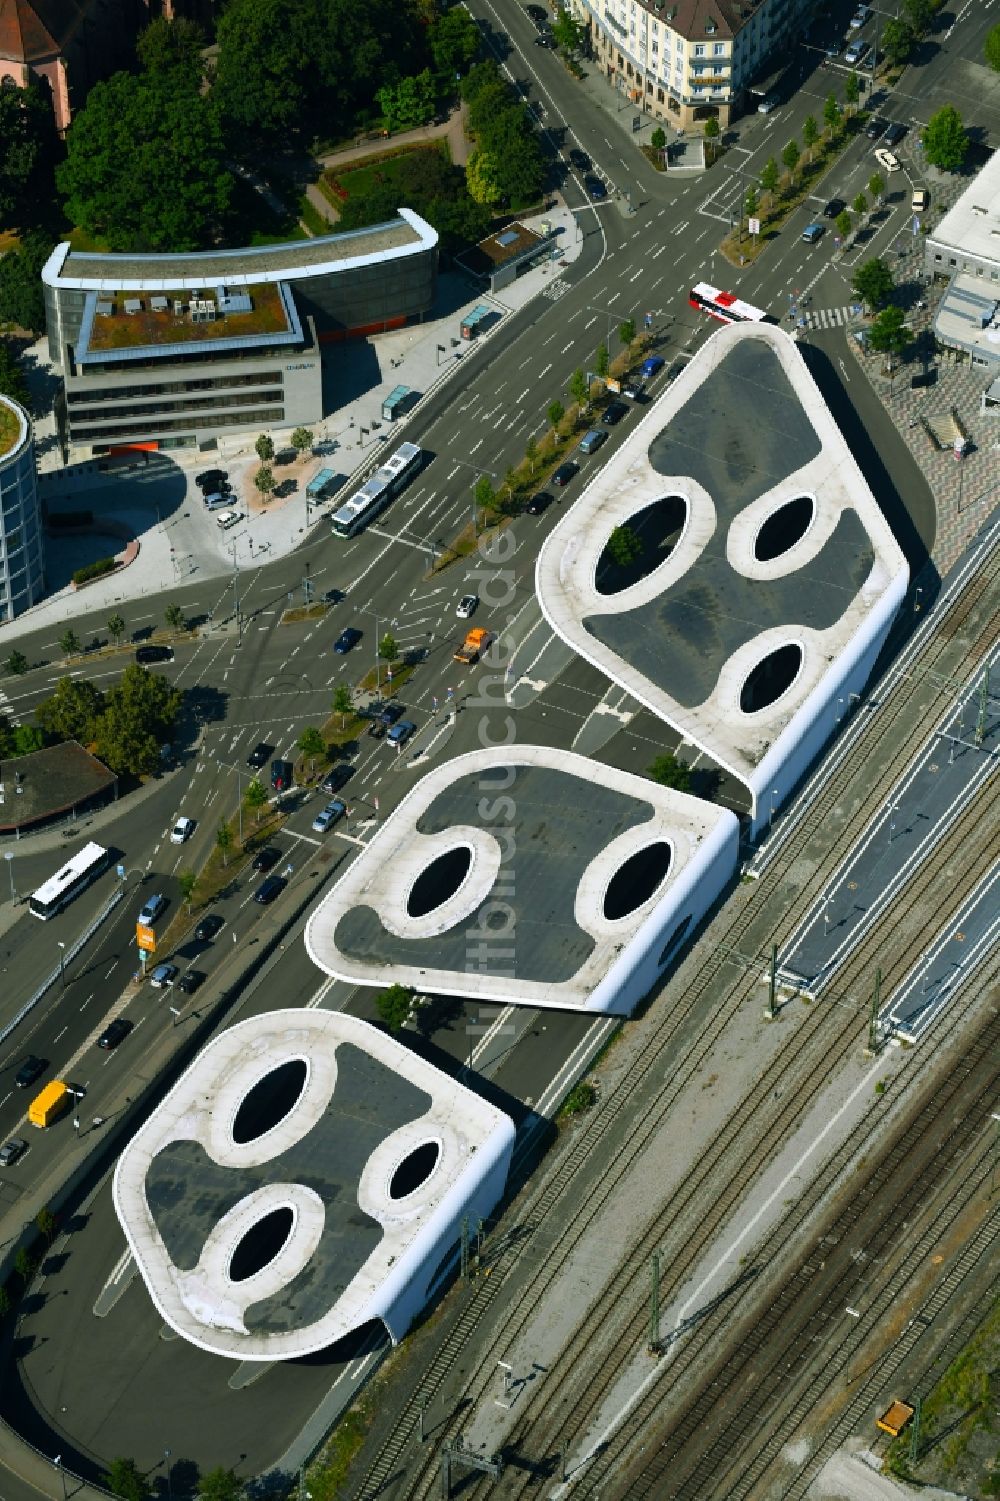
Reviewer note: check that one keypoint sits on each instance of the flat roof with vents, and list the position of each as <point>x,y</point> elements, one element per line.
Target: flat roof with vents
<point>971,227</point>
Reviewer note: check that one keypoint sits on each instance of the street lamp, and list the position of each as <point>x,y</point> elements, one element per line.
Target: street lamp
<point>9,857</point>
<point>170,1487</point>
<point>62,960</point>
<point>59,1466</point>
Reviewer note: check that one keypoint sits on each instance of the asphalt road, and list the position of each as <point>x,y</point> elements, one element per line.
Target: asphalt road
<point>277,679</point>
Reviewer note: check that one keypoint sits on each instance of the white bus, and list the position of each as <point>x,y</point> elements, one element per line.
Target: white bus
<point>375,494</point>
<point>72,878</point>
<point>725,306</point>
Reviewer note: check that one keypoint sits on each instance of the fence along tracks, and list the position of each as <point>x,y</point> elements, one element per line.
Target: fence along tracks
<point>698,974</point>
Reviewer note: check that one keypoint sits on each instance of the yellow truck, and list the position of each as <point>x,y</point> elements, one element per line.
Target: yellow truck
<point>475,643</point>
<point>48,1106</point>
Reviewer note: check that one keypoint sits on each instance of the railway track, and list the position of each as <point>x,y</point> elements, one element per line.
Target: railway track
<point>966,631</point>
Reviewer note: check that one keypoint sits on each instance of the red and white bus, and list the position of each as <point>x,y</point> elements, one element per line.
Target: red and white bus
<point>724,305</point>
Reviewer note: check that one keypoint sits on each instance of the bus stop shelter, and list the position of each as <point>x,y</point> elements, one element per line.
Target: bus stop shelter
<point>398,402</point>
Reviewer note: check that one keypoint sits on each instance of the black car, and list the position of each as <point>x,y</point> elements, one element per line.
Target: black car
<point>30,1070</point>
<point>544,39</point>
<point>190,980</point>
<point>260,755</point>
<point>564,474</point>
<point>114,1033</point>
<point>595,187</point>
<point>336,777</point>
<point>377,729</point>
<point>282,773</point>
<point>614,412</point>
<point>146,654</point>
<point>208,479</point>
<point>208,927</point>
<point>346,641</point>
<point>388,714</point>
<point>538,14</point>
<point>269,889</point>
<point>894,134</point>
<point>266,858</point>
<point>580,160</point>
<point>538,503</point>
<point>834,207</point>
<point>876,126</point>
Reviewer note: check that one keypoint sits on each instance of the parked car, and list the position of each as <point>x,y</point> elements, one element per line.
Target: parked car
<point>768,103</point>
<point>190,980</point>
<point>163,976</point>
<point>813,232</point>
<point>209,478</point>
<point>152,909</point>
<point>545,39</point>
<point>859,18</point>
<point>269,889</point>
<point>835,207</point>
<point>260,755</point>
<point>467,606</point>
<point>651,366</point>
<point>337,776</point>
<point>401,732</point>
<point>114,1033</point>
<point>595,187</point>
<point>265,859</point>
<point>346,641</point>
<point>538,503</point>
<point>886,160</point>
<point>227,519</point>
<point>282,775</point>
<point>216,500</point>
<point>920,201</point>
<point>182,830</point>
<point>876,127</point>
<point>538,14</point>
<point>855,52</point>
<point>387,714</point>
<point>12,1150</point>
<point>328,816</point>
<point>634,388</point>
<point>31,1069</point>
<point>591,442</point>
<point>614,412</point>
<point>833,48</point>
<point>564,474</point>
<point>146,655</point>
<point>580,160</point>
<point>208,927</point>
<point>894,134</point>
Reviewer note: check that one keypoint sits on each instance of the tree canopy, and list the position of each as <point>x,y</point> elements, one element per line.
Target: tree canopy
<point>945,141</point>
<point>21,299</point>
<point>72,711</point>
<point>505,131</point>
<point>27,150</point>
<point>991,48</point>
<point>670,772</point>
<point>873,282</point>
<point>137,719</point>
<point>888,333</point>
<point>12,381</point>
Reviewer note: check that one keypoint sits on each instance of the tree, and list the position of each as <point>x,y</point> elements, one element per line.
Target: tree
<point>5,1301</point>
<point>860,205</point>
<point>27,130</point>
<point>165,45</point>
<point>626,331</point>
<point>770,176</point>
<point>602,362</point>
<point>302,439</point>
<point>12,381</point>
<point>255,797</point>
<point>531,454</point>
<point>919,13</point>
<point>124,1479</point>
<point>658,139</point>
<point>394,1005</point>
<point>751,203</point>
<point>72,711</point>
<point>624,546</point>
<point>888,333</point>
<point>945,141</point>
<point>264,480</point>
<point>712,129</point>
<point>454,40</point>
<point>991,48</point>
<point>311,744</point>
<point>578,388</point>
<point>116,627</point>
<point>187,880</point>
<point>174,617</point>
<point>568,33</point>
<point>482,493</point>
<point>483,178</point>
<point>157,130</point>
<point>220,1485</point>
<point>387,647</point>
<point>17,664</point>
<point>555,412</point>
<point>410,102</point>
<point>790,154</point>
<point>843,222</point>
<point>670,772</point>
<point>873,282</point>
<point>342,702</point>
<point>897,39</point>
<point>876,186</point>
<point>70,642</point>
<point>264,447</point>
<point>46,1223</point>
<point>852,90</point>
<point>139,715</point>
<point>810,134</point>
<point>21,299</point>
<point>28,738</point>
<point>831,114</point>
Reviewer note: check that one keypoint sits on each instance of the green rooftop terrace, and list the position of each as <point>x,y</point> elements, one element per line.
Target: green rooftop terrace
<point>137,330</point>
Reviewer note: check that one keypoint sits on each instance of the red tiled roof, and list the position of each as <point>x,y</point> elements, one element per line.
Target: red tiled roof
<point>31,32</point>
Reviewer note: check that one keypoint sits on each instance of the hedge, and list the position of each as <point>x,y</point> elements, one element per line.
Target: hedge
<point>93,571</point>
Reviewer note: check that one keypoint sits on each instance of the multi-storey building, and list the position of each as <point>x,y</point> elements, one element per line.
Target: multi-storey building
<point>686,60</point>
<point>22,568</point>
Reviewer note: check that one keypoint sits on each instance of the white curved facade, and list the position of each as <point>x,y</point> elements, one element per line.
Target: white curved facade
<point>22,559</point>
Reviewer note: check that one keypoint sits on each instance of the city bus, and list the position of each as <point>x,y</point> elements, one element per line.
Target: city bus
<point>725,306</point>
<point>375,494</point>
<point>72,878</point>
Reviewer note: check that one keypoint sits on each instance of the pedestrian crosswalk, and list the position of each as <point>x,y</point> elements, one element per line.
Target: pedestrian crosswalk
<point>828,317</point>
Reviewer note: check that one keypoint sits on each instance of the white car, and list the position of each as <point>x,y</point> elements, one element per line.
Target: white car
<point>768,103</point>
<point>467,606</point>
<point>226,519</point>
<point>182,830</point>
<point>855,52</point>
<point>859,18</point>
<point>886,160</point>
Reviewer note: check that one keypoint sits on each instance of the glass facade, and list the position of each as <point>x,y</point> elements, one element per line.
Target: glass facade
<point>22,566</point>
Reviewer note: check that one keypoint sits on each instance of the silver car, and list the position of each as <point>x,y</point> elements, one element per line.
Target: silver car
<point>12,1150</point>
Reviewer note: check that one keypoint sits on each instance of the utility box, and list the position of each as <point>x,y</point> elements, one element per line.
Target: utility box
<point>48,1106</point>
<point>895,1419</point>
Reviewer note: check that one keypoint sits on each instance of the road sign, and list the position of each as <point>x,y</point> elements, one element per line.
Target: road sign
<point>754,226</point>
<point>145,938</point>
